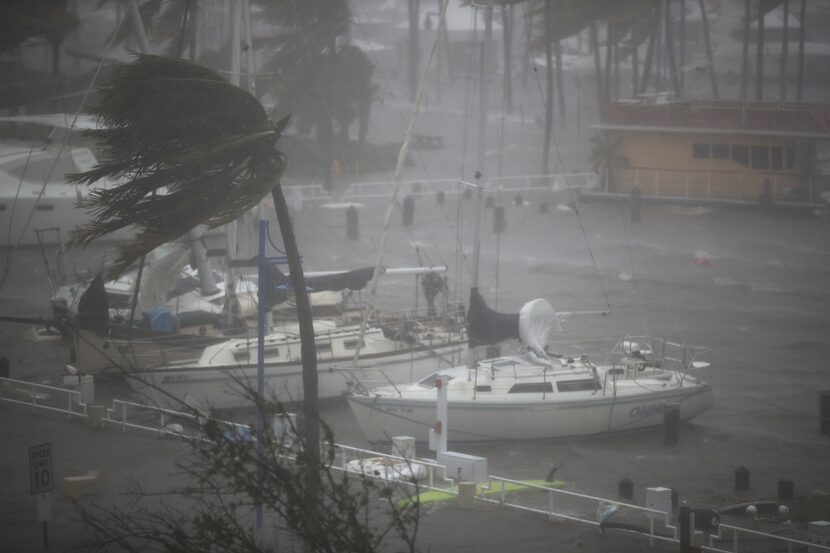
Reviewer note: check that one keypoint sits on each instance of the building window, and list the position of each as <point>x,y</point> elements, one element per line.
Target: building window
<point>720,151</point>
<point>760,157</point>
<point>776,158</point>
<point>700,151</point>
<point>740,154</point>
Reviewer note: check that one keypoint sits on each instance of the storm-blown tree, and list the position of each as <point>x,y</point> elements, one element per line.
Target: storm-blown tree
<point>228,474</point>
<point>21,20</point>
<point>192,149</point>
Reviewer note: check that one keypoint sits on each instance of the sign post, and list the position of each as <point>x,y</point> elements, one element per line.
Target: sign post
<point>41,482</point>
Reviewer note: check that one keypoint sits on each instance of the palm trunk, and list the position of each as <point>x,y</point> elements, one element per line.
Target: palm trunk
<point>507,23</point>
<point>609,59</point>
<point>652,45</point>
<point>597,69</point>
<point>709,57</point>
<point>670,48</point>
<point>759,53</point>
<point>635,65</point>
<point>560,83</point>
<point>412,66</point>
<point>801,27</point>
<point>785,50</point>
<point>682,40</point>
<point>311,402</point>
<point>745,51</point>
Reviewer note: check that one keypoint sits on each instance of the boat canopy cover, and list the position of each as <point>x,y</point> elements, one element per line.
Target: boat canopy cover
<point>333,282</point>
<point>537,321</point>
<point>487,326</point>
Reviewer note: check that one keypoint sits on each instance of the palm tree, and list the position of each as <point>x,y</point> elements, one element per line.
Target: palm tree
<point>24,19</point>
<point>193,150</point>
<point>801,26</point>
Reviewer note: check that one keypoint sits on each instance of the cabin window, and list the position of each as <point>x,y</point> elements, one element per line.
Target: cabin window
<point>323,346</point>
<point>350,344</point>
<point>242,355</point>
<point>700,151</point>
<point>584,385</point>
<point>484,388</point>
<point>760,157</point>
<point>776,158</point>
<point>44,207</point>
<point>531,388</point>
<point>740,154</point>
<point>2,207</point>
<point>720,151</point>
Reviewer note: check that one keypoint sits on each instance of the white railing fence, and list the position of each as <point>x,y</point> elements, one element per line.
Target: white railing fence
<point>551,502</point>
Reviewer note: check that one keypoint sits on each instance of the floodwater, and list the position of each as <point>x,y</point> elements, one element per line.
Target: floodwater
<point>753,288</point>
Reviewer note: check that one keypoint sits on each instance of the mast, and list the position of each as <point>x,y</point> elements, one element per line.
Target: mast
<point>482,84</point>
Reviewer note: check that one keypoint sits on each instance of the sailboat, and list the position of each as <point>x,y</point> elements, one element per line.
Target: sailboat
<point>536,393</point>
<point>175,320</point>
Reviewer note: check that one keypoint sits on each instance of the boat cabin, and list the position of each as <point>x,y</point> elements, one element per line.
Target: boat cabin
<point>714,150</point>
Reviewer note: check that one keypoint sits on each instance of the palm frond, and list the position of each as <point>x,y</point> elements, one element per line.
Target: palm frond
<point>190,147</point>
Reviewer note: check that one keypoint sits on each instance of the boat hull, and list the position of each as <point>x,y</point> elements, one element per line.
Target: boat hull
<point>223,387</point>
<point>382,418</point>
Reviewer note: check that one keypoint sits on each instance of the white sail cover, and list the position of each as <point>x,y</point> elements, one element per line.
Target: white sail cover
<point>162,269</point>
<point>537,321</point>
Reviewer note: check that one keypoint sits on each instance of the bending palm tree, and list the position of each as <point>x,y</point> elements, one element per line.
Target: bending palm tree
<point>193,150</point>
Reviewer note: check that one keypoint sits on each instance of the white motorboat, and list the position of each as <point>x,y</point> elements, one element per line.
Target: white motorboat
<point>536,395</point>
<point>219,376</point>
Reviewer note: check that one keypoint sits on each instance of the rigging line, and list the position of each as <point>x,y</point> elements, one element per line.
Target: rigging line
<point>459,234</point>
<point>637,286</point>
<point>781,407</point>
<point>14,202</point>
<point>572,194</point>
<point>660,296</point>
<point>397,178</point>
<point>417,154</point>
<point>64,141</point>
<point>271,241</point>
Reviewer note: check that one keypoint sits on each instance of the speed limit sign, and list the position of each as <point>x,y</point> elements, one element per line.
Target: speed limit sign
<point>41,477</point>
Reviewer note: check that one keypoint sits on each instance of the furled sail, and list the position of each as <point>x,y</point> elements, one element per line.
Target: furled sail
<point>93,307</point>
<point>487,326</point>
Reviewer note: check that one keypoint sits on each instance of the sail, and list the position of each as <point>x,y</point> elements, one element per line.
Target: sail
<point>93,307</point>
<point>537,320</point>
<point>333,282</point>
<point>486,326</point>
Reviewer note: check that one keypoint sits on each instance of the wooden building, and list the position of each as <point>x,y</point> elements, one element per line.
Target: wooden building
<point>713,149</point>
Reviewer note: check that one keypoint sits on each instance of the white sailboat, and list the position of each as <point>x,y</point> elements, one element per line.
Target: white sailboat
<point>537,395</point>
<point>223,370</point>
